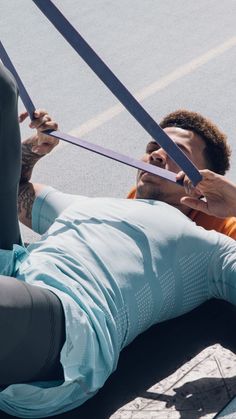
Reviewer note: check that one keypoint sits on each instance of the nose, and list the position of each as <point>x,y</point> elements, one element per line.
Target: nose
<point>158,157</point>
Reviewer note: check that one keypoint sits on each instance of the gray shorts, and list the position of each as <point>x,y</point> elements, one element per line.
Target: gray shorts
<point>32,333</point>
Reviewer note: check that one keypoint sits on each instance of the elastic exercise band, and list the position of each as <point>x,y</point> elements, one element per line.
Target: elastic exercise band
<point>22,90</point>
<point>166,174</point>
<point>117,88</point>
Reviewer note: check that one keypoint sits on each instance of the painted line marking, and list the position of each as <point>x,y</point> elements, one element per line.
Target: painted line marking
<point>153,88</point>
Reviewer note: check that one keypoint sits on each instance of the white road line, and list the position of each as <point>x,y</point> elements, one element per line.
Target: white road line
<point>155,87</point>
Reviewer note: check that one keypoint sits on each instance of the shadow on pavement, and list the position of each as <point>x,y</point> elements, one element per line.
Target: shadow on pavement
<point>158,353</point>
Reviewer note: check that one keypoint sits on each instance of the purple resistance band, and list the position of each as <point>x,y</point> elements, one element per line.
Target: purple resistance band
<point>126,96</point>
<point>166,174</point>
<point>117,88</point>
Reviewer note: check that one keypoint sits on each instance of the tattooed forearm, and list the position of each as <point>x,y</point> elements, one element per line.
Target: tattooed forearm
<point>26,197</point>
<point>26,194</point>
<point>43,145</point>
<point>29,159</point>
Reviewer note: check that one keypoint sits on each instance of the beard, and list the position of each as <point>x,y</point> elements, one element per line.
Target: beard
<point>151,191</point>
<point>162,191</point>
<point>155,188</point>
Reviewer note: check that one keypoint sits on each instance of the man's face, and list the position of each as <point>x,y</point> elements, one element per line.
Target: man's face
<point>153,187</point>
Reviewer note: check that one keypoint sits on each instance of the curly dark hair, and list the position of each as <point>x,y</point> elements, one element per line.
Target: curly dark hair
<point>217,151</point>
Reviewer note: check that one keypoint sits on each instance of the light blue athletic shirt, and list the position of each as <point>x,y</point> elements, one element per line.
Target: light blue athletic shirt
<point>229,412</point>
<point>118,266</point>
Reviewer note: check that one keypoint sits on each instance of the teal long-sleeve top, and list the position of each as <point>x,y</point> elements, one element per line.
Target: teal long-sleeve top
<point>118,267</point>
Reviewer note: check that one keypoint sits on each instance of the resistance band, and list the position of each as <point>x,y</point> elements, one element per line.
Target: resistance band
<point>117,88</point>
<point>166,174</point>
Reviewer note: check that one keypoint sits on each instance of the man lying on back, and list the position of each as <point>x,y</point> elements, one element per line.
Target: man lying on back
<point>105,270</point>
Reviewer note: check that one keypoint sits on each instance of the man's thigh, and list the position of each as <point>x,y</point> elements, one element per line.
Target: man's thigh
<point>32,332</point>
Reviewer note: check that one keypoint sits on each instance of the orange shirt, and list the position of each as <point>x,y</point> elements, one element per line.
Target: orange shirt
<point>225,226</point>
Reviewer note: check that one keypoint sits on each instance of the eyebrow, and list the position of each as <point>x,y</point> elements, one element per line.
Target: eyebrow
<point>152,143</point>
<point>181,146</point>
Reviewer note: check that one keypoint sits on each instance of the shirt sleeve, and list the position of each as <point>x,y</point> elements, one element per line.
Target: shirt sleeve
<point>226,226</point>
<point>47,207</point>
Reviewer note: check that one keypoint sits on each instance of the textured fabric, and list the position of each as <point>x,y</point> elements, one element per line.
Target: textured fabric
<point>225,226</point>
<point>118,268</point>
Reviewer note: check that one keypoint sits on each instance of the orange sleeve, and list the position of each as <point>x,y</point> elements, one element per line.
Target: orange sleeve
<point>132,193</point>
<point>230,227</point>
<point>225,226</point>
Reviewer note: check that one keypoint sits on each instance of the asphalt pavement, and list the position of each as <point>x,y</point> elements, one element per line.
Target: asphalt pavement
<point>171,54</point>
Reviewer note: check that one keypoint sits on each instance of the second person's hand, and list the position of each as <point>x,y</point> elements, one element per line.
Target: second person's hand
<point>214,195</point>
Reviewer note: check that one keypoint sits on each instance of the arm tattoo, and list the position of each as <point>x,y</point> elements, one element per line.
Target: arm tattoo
<point>26,193</point>
<point>26,197</point>
<point>29,159</point>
